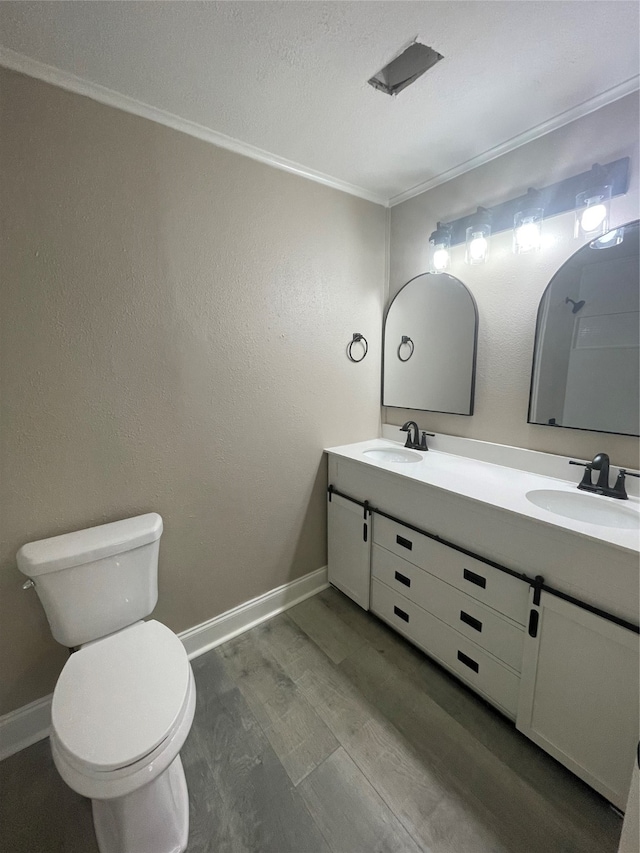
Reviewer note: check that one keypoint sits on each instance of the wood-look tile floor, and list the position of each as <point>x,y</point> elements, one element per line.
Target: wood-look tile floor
<point>322,731</point>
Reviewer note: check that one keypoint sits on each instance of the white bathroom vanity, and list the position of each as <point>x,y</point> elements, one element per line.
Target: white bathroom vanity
<point>520,585</point>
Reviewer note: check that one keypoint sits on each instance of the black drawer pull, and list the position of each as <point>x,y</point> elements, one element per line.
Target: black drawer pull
<point>467,661</point>
<point>401,614</point>
<point>403,579</point>
<point>473,623</point>
<point>478,580</point>
<point>406,543</point>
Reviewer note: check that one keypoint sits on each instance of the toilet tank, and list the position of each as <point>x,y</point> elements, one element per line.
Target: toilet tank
<point>96,581</point>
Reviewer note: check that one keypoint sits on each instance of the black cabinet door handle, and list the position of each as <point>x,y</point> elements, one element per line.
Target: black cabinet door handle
<point>469,620</point>
<point>403,579</point>
<point>401,614</point>
<point>533,623</point>
<point>472,577</point>
<point>467,661</point>
<point>406,543</point>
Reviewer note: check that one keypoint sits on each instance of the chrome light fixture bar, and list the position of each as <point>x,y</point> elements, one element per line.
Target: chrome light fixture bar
<point>555,199</point>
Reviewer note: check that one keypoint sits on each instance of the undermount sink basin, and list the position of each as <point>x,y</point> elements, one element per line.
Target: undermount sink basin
<point>581,507</point>
<point>391,454</point>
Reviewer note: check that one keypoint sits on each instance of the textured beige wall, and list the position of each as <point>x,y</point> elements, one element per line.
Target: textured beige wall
<point>508,288</point>
<point>174,323</point>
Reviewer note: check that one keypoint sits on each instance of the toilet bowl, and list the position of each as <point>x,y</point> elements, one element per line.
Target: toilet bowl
<point>124,702</point>
<point>121,711</point>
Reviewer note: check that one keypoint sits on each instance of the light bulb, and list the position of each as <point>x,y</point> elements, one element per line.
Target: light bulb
<point>441,258</point>
<point>592,212</point>
<point>593,217</point>
<point>527,230</point>
<point>478,248</point>
<point>529,236</point>
<point>439,243</point>
<point>477,237</point>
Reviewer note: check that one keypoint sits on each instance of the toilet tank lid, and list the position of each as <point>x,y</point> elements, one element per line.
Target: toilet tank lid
<point>85,546</point>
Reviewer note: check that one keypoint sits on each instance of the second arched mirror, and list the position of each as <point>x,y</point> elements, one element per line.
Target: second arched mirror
<point>429,346</point>
<point>585,364</point>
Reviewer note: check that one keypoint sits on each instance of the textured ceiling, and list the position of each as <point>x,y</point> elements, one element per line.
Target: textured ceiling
<point>290,77</point>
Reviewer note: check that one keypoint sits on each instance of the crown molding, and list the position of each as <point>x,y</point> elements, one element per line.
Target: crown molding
<point>589,106</point>
<point>65,80</point>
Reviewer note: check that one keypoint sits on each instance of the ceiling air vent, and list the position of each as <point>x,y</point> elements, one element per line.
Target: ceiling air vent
<point>405,68</point>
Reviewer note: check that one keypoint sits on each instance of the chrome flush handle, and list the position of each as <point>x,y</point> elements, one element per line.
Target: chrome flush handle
<point>28,584</point>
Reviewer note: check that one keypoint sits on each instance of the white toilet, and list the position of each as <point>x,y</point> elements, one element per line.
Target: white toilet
<point>124,702</point>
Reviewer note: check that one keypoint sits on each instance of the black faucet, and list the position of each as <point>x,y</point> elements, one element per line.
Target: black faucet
<point>411,442</point>
<point>600,463</point>
<point>415,442</point>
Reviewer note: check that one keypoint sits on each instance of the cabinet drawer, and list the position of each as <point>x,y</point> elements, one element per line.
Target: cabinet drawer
<point>484,583</point>
<point>474,620</point>
<point>464,658</point>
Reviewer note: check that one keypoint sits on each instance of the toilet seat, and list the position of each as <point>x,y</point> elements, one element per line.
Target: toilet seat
<point>119,783</point>
<point>119,699</point>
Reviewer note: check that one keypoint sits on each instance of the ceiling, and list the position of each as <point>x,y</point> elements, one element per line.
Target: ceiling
<point>287,81</point>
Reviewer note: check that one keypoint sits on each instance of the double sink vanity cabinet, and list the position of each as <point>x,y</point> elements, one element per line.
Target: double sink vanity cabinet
<point>537,614</point>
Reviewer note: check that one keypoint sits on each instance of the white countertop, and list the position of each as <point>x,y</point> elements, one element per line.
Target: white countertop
<point>495,485</point>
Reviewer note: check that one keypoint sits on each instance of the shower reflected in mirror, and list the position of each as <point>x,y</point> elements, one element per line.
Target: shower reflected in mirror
<point>586,363</point>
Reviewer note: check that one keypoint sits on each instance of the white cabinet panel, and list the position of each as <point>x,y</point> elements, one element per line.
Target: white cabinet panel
<point>579,696</point>
<point>349,549</point>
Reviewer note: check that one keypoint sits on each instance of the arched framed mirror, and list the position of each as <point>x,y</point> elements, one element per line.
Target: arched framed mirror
<point>429,346</point>
<point>586,360</point>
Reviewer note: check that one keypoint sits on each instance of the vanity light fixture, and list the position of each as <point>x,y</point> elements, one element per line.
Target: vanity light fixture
<point>478,237</point>
<point>594,188</point>
<point>439,244</point>
<point>527,225</point>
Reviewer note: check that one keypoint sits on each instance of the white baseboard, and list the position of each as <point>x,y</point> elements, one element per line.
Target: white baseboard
<point>29,724</point>
<point>25,726</point>
<point>212,633</point>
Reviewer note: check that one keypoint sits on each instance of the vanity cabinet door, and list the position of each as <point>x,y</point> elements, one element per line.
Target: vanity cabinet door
<point>349,549</point>
<point>579,694</point>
